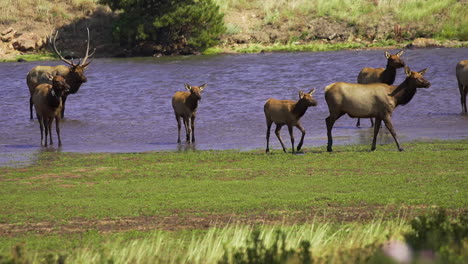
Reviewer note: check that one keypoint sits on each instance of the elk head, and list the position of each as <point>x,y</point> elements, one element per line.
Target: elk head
<point>76,75</point>
<point>394,59</point>
<point>195,90</point>
<point>417,78</point>
<point>59,85</point>
<point>307,97</point>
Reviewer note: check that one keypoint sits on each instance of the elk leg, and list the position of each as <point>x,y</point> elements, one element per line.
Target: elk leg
<point>268,136</point>
<point>372,122</point>
<point>389,125</point>
<point>465,92</point>
<point>299,126</point>
<point>179,125</point>
<point>41,127</point>
<point>31,107</point>
<point>378,123</point>
<point>45,124</point>
<point>291,134</point>
<point>187,128</point>
<point>62,113</point>
<point>358,123</point>
<point>277,132</point>
<point>49,125</point>
<point>57,128</point>
<point>193,128</point>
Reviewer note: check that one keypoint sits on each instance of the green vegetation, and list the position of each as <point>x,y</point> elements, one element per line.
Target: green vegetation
<point>189,25</point>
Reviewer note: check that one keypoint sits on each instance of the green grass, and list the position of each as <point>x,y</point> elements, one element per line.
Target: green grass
<point>33,57</point>
<point>346,201</point>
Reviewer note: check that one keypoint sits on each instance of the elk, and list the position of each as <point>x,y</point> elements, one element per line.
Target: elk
<point>185,105</point>
<point>73,74</point>
<point>377,100</point>
<point>47,99</point>
<point>381,75</point>
<point>287,112</point>
<point>462,78</point>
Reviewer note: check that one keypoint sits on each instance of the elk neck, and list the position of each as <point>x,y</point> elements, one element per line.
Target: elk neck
<point>53,99</point>
<point>404,92</point>
<point>300,107</point>
<point>74,85</point>
<point>192,102</point>
<point>389,74</point>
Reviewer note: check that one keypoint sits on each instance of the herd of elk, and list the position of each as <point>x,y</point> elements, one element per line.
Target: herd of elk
<point>381,75</point>
<point>287,112</point>
<point>372,97</point>
<point>73,74</point>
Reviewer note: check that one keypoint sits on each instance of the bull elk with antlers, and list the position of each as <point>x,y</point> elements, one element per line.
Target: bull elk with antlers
<point>73,74</point>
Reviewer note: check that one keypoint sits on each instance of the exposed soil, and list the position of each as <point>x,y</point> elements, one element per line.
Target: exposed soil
<point>205,220</point>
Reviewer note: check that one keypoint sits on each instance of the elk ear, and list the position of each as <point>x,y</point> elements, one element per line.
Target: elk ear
<point>407,71</point>
<point>311,92</point>
<point>301,94</point>
<point>49,76</point>
<point>187,86</point>
<point>387,55</point>
<point>422,72</point>
<point>202,87</point>
<point>400,53</point>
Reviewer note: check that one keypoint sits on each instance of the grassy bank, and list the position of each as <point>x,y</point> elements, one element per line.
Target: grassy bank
<point>194,205</point>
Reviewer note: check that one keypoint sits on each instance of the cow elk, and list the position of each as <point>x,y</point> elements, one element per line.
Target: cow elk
<point>287,112</point>
<point>47,99</point>
<point>377,100</point>
<point>73,74</point>
<point>185,106</point>
<point>381,75</point>
<point>462,78</point>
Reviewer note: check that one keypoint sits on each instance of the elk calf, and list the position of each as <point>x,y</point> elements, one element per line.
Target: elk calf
<point>377,100</point>
<point>287,112</point>
<point>185,106</point>
<point>462,78</point>
<point>47,99</point>
<point>381,75</point>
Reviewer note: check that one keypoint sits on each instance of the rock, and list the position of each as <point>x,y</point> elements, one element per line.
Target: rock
<point>424,43</point>
<point>26,42</point>
<point>7,37</point>
<point>6,31</point>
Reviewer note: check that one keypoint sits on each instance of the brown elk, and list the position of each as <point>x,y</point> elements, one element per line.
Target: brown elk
<point>185,106</point>
<point>287,112</point>
<point>47,99</point>
<point>381,75</point>
<point>462,78</point>
<point>73,74</point>
<point>377,100</point>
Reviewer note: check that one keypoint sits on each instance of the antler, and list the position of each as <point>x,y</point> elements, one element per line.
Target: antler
<point>57,52</point>
<point>87,52</point>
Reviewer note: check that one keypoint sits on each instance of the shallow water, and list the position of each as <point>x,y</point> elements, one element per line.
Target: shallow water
<point>126,104</point>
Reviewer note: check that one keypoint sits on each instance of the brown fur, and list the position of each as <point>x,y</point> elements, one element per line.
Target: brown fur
<point>381,75</point>
<point>73,74</point>
<point>287,112</point>
<point>47,99</point>
<point>377,100</point>
<point>185,106</point>
<point>462,78</point>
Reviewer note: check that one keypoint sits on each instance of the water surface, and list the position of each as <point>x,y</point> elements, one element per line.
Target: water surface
<point>126,104</point>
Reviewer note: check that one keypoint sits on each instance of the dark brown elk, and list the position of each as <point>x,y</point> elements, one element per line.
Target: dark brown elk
<point>287,112</point>
<point>185,106</point>
<point>377,100</point>
<point>73,74</point>
<point>381,75</point>
<point>47,99</point>
<point>462,78</point>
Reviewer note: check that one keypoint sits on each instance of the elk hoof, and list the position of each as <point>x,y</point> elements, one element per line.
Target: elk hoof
<point>401,149</point>
<point>329,149</point>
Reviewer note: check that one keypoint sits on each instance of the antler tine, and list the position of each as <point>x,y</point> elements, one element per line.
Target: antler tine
<point>87,49</point>
<point>57,52</point>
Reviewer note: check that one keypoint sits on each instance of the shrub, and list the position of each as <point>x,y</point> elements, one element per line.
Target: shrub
<point>185,25</point>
